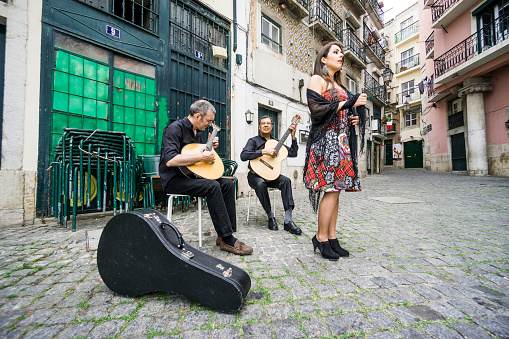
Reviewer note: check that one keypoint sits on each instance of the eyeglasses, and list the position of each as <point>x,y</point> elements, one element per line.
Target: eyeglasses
<point>207,120</point>
<point>265,123</point>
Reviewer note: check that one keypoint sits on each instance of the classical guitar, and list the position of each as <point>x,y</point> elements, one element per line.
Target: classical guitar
<point>267,167</point>
<point>203,169</point>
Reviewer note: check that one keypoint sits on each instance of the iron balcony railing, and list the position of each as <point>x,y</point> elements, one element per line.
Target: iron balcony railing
<point>479,42</point>
<point>372,43</point>
<point>431,91</point>
<point>408,96</point>
<point>373,87</point>
<point>407,32</point>
<point>455,120</point>
<point>378,10</point>
<point>407,63</point>
<point>430,42</point>
<point>353,44</point>
<point>440,7</point>
<point>303,3</point>
<point>322,12</point>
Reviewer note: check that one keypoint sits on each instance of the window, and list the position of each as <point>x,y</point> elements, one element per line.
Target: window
<point>493,22</point>
<point>411,119</point>
<point>406,23</point>
<point>407,59</point>
<point>351,84</point>
<point>142,13</point>
<point>407,88</point>
<point>271,34</point>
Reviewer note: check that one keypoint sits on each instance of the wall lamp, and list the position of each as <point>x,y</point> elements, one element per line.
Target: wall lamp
<point>507,124</point>
<point>249,116</point>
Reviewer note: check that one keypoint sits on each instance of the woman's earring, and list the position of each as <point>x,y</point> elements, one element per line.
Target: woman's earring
<point>325,70</point>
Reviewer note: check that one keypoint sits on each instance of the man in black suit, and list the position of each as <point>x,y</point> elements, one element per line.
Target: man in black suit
<point>254,149</point>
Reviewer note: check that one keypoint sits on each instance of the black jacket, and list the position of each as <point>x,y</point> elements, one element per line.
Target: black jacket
<point>255,145</point>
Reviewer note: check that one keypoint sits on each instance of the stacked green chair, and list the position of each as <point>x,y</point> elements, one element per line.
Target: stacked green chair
<point>93,170</point>
<point>230,167</point>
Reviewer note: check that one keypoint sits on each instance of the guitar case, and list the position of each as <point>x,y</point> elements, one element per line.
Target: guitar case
<point>141,252</point>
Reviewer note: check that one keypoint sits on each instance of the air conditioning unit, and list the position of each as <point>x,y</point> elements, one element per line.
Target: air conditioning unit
<point>457,106</point>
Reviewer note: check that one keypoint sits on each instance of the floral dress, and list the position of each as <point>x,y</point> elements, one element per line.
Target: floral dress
<point>330,167</point>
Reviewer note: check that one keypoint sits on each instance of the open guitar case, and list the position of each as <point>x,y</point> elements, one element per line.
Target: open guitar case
<point>141,252</point>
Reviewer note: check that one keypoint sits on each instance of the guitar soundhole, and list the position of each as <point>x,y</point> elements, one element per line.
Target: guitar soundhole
<point>266,164</point>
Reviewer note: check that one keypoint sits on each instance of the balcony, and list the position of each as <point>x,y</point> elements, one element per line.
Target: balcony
<point>376,91</point>
<point>408,97</point>
<point>455,120</point>
<point>443,12</point>
<point>428,3</point>
<point>299,8</point>
<point>354,49</point>
<point>378,129</point>
<point>374,49</point>
<point>358,6</point>
<point>407,63</point>
<point>430,46</point>
<point>324,21</point>
<point>376,13</point>
<point>391,128</point>
<point>485,45</point>
<point>407,32</point>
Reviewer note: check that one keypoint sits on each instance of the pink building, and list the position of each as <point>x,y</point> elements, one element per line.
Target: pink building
<point>466,70</point>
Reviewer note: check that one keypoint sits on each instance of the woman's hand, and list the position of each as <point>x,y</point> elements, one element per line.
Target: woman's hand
<point>361,100</point>
<point>353,120</point>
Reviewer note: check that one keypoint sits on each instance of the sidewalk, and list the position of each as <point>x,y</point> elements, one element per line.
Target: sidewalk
<point>429,259</point>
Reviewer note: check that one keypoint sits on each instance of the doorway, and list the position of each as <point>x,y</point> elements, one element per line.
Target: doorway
<point>389,161</point>
<point>458,152</point>
<point>413,154</point>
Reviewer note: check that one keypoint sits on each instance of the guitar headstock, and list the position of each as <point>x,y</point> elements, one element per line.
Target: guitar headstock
<point>296,119</point>
<point>215,127</point>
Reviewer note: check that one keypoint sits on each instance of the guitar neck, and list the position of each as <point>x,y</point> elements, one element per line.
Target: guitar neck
<point>282,140</point>
<point>208,146</point>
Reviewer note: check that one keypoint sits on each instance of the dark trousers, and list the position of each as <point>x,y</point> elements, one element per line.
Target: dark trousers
<point>282,183</point>
<point>220,196</point>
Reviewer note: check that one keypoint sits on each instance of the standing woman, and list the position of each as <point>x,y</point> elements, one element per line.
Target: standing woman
<point>331,164</point>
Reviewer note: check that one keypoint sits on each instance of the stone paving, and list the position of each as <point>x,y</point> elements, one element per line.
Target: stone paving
<point>438,268</point>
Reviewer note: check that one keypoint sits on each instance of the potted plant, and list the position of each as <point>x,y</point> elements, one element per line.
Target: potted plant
<point>385,119</point>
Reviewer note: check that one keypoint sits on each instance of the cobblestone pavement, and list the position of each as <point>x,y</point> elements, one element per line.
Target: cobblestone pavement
<point>437,268</point>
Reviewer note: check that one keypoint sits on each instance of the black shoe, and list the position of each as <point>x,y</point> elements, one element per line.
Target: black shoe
<point>334,244</point>
<point>325,249</point>
<point>292,228</point>
<point>272,224</point>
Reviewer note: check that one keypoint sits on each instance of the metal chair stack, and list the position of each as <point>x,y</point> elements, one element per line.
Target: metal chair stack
<point>93,171</point>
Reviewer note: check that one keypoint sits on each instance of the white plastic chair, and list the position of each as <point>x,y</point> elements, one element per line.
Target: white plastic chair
<point>170,210</point>
<point>253,193</point>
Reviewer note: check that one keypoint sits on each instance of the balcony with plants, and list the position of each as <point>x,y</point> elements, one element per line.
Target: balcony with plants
<point>407,63</point>
<point>376,91</point>
<point>485,45</point>
<point>374,49</point>
<point>324,21</point>
<point>407,32</point>
<point>354,49</point>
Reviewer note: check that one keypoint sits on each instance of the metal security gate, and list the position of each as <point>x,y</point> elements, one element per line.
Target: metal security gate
<point>458,152</point>
<point>195,73</point>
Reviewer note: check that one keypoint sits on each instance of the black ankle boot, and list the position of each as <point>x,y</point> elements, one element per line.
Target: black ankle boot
<point>325,249</point>
<point>334,244</point>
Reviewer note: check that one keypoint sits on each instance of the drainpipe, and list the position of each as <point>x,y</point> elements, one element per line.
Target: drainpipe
<point>234,25</point>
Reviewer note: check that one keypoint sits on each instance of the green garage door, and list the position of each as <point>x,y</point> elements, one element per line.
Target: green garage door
<point>81,99</point>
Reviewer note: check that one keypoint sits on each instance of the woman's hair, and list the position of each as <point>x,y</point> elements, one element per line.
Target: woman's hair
<point>319,65</point>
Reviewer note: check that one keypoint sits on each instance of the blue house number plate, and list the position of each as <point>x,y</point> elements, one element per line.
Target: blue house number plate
<point>198,54</point>
<point>113,31</point>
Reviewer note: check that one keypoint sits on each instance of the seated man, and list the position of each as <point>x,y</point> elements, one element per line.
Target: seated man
<point>255,149</point>
<point>220,193</point>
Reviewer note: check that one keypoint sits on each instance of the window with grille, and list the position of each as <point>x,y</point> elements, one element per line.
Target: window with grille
<point>141,13</point>
<point>271,34</point>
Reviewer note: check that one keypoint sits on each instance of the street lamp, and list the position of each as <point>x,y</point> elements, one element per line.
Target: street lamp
<point>249,116</point>
<point>387,74</point>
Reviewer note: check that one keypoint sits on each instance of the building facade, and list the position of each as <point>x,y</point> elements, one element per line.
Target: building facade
<point>467,106</point>
<point>404,147</point>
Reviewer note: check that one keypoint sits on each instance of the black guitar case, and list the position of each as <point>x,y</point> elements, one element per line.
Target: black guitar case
<point>141,252</point>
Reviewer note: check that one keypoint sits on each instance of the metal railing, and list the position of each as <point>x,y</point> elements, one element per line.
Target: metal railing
<point>373,87</point>
<point>479,42</point>
<point>440,7</point>
<point>407,63</point>
<point>372,43</point>
<point>322,12</point>
<point>430,42</point>
<point>354,44</point>
<point>431,91</point>
<point>408,96</point>
<point>378,10</point>
<point>455,120</point>
<point>407,32</point>
<point>303,3</point>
